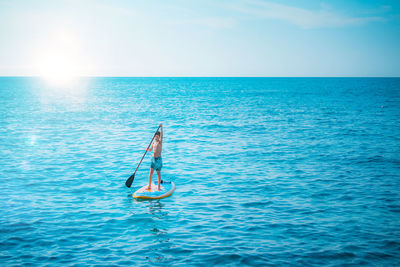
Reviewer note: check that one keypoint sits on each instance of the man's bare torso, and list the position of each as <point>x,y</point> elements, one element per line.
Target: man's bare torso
<point>157,147</point>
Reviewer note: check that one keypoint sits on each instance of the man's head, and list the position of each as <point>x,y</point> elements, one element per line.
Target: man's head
<point>157,136</point>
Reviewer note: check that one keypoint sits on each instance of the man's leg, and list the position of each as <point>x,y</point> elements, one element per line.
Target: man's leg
<point>159,179</point>
<point>150,177</point>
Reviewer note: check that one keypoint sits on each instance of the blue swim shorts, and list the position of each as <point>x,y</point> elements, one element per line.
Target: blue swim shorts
<point>156,163</point>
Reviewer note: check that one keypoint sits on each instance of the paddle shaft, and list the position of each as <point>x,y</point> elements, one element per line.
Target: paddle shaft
<point>146,150</point>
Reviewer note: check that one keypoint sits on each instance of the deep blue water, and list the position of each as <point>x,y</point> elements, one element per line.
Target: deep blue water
<point>268,171</point>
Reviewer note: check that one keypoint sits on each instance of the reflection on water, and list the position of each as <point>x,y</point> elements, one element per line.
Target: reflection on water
<point>155,208</point>
<point>157,228</point>
<point>71,95</point>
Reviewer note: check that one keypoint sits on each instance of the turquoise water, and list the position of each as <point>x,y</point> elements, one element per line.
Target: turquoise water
<point>268,171</point>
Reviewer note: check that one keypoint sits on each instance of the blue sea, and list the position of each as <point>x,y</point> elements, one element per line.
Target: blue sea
<point>268,171</point>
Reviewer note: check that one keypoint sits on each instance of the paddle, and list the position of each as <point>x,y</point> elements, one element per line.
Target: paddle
<point>129,182</point>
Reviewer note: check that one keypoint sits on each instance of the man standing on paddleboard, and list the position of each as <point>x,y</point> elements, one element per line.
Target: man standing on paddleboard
<point>156,160</point>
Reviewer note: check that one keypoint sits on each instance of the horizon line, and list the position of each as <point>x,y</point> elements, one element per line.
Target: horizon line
<point>124,76</point>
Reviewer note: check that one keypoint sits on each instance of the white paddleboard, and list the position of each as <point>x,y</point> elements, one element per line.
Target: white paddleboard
<point>167,188</point>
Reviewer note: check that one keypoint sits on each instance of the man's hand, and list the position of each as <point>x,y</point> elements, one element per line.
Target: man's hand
<point>160,125</point>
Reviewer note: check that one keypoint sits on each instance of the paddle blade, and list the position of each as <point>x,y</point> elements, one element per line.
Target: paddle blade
<point>129,182</point>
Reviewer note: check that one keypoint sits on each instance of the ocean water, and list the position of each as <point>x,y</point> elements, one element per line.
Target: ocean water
<point>268,171</point>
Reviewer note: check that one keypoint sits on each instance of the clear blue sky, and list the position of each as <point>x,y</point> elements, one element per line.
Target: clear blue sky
<point>200,38</point>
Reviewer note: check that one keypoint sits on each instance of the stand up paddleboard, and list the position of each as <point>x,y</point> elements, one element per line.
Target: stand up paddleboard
<point>167,188</point>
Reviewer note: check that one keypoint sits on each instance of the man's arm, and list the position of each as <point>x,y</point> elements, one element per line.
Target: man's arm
<point>151,148</point>
<point>161,132</point>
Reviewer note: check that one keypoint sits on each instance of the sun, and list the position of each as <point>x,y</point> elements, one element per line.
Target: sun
<point>58,69</point>
<point>58,60</point>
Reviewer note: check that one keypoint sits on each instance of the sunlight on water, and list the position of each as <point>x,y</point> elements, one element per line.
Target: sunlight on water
<point>59,78</point>
<point>72,94</point>
<point>32,140</point>
<point>58,68</point>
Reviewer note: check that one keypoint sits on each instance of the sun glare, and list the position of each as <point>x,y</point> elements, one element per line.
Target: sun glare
<point>58,61</point>
<point>57,69</point>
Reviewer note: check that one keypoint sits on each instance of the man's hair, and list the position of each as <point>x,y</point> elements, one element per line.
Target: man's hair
<point>158,133</point>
